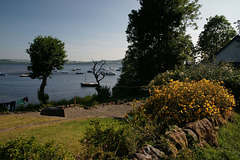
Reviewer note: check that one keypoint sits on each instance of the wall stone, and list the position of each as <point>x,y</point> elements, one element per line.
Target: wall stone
<point>201,132</point>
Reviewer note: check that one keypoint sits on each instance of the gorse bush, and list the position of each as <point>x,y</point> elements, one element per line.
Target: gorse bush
<point>178,103</point>
<point>220,72</point>
<point>31,150</point>
<point>182,102</point>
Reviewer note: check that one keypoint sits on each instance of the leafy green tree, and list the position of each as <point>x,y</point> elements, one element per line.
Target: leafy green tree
<point>238,25</point>
<point>46,53</point>
<point>157,39</point>
<point>217,33</point>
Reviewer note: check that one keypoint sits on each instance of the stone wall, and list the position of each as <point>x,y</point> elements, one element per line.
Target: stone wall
<point>200,132</point>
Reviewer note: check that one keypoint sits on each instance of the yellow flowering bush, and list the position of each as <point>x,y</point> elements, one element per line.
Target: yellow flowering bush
<point>187,101</point>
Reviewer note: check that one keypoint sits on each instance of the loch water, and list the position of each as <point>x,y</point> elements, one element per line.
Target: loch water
<point>59,86</point>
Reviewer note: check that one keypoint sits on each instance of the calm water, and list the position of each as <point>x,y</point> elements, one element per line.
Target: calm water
<point>60,86</point>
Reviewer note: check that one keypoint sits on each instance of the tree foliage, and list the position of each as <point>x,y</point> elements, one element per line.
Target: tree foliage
<point>157,39</point>
<point>217,33</point>
<point>46,53</point>
<point>238,25</point>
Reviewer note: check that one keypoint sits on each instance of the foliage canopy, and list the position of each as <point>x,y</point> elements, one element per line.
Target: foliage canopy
<point>46,53</point>
<point>217,33</point>
<point>157,39</point>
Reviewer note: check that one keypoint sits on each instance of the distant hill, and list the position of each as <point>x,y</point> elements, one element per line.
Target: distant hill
<point>14,61</point>
<point>108,62</point>
<point>25,61</point>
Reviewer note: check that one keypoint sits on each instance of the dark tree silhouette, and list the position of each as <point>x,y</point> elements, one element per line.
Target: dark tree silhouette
<point>98,72</point>
<point>46,53</point>
<point>157,39</point>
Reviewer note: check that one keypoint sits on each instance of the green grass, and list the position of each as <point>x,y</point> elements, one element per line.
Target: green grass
<point>15,120</point>
<point>67,133</point>
<point>229,144</point>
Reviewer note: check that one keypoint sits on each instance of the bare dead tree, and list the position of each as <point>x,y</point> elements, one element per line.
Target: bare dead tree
<point>98,72</point>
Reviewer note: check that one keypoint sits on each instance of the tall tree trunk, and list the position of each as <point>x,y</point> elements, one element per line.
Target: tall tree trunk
<point>41,96</point>
<point>44,83</point>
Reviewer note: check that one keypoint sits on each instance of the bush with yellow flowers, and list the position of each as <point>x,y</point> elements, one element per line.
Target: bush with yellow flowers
<point>177,103</point>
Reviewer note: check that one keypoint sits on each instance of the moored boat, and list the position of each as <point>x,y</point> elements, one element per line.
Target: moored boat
<point>90,71</point>
<point>65,72</point>
<point>3,74</point>
<point>84,84</point>
<point>109,73</point>
<point>79,73</point>
<point>24,75</point>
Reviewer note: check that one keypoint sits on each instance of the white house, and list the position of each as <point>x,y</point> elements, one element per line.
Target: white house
<point>230,52</point>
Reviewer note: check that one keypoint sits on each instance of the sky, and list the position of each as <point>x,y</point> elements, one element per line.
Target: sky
<point>90,29</point>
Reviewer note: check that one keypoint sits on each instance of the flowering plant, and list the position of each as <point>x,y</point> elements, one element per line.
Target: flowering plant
<point>187,101</point>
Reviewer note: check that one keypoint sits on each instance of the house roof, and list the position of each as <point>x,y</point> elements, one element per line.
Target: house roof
<point>235,38</point>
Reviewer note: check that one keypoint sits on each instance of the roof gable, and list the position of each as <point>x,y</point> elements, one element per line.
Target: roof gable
<point>230,42</point>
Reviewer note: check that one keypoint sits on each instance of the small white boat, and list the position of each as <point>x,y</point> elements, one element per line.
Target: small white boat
<point>79,73</point>
<point>65,72</point>
<point>109,73</point>
<point>112,69</point>
<point>24,75</point>
<point>3,74</point>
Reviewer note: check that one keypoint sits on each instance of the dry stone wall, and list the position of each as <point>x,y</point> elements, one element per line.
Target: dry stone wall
<point>200,132</point>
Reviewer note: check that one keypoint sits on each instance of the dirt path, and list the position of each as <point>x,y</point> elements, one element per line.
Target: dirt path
<point>96,111</point>
<point>71,113</point>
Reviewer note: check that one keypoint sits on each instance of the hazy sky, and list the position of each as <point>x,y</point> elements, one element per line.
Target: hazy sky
<point>91,29</point>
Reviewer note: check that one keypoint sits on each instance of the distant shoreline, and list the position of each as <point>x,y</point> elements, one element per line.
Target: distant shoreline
<point>25,61</point>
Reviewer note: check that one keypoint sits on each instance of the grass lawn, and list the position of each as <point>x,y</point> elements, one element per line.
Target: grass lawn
<point>67,133</point>
<point>18,120</point>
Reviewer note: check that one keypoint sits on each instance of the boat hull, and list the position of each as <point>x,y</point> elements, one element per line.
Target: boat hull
<point>83,84</point>
<point>24,75</point>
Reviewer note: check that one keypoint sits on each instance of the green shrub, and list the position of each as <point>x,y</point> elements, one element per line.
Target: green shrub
<point>220,72</point>
<point>105,141</point>
<point>61,102</point>
<point>86,101</point>
<point>103,93</point>
<point>3,108</point>
<point>29,107</point>
<point>29,149</point>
